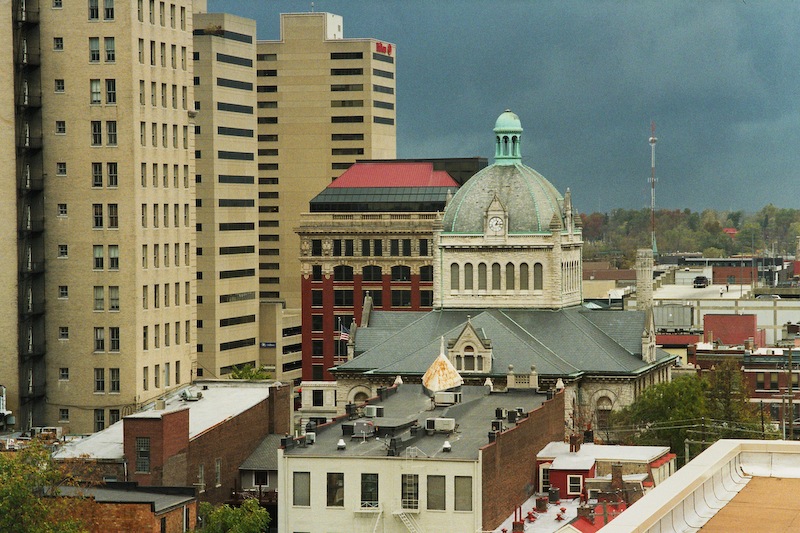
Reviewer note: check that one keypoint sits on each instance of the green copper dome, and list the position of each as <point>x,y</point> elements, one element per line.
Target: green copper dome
<point>529,199</point>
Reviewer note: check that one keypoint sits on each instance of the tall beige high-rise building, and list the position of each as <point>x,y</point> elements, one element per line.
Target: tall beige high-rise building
<point>105,202</point>
<point>227,191</point>
<point>323,102</point>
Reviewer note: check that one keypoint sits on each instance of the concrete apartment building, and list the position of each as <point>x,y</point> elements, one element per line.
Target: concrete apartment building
<point>323,101</point>
<point>104,207</point>
<point>226,228</point>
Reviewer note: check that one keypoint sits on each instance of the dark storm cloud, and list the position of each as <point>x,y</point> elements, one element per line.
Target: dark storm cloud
<point>720,79</point>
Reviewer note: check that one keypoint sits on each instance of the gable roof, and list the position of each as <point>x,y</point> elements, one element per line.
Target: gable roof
<point>565,342</point>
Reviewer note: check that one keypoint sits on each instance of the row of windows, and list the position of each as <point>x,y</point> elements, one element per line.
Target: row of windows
<point>98,216</point>
<point>94,9</point>
<point>165,95</point>
<point>434,491</point>
<point>467,282</point>
<point>109,46</point>
<point>157,291</point>
<point>373,273</point>
<point>98,255</point>
<point>370,247</point>
<point>99,293</point>
<point>154,174</point>
<point>399,298</point>
<point>167,336</point>
<point>166,247</point>
<point>96,131</point>
<point>161,13</point>
<point>98,342</point>
<point>161,51</point>
<point>164,135</point>
<point>166,215</point>
<point>762,383</point>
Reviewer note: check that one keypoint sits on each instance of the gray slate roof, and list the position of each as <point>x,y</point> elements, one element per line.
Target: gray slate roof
<point>565,342</point>
<point>265,456</point>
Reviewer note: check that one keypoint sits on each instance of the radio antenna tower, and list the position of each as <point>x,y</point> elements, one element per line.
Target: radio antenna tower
<point>653,141</point>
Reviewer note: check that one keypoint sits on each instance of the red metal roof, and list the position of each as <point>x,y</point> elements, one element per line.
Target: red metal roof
<point>394,175</point>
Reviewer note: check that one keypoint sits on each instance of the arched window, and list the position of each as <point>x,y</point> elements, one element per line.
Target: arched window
<point>482,276</point>
<point>495,276</point>
<point>510,276</point>
<point>342,273</point>
<point>360,398</point>
<point>468,276</point>
<point>523,277</point>
<point>454,276</point>
<point>426,273</point>
<point>469,358</point>
<point>371,273</point>
<point>401,273</point>
<point>537,277</point>
<point>604,406</point>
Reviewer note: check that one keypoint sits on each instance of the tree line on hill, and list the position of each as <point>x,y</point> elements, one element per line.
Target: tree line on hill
<point>616,236</point>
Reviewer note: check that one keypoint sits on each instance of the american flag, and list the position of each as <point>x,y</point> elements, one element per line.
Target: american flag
<point>344,333</point>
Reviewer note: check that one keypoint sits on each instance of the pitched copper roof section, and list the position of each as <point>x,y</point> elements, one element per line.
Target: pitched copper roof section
<point>441,375</point>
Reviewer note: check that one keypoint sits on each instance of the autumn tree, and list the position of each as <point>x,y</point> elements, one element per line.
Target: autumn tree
<point>29,486</point>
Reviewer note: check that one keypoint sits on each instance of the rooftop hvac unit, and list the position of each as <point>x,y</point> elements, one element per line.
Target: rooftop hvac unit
<point>447,398</point>
<point>430,424</point>
<point>512,417</point>
<point>444,424</point>
<point>311,437</point>
<point>497,425</point>
<point>363,428</point>
<point>499,412</point>
<point>373,411</point>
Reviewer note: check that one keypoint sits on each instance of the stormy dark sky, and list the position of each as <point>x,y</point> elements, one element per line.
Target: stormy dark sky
<point>721,80</point>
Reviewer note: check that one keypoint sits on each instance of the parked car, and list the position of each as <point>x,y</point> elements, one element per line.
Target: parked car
<point>701,282</point>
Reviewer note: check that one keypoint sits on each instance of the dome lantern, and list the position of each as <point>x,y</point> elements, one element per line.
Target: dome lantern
<point>507,131</point>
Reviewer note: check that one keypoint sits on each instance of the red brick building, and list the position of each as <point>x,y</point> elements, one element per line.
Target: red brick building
<point>196,440</point>
<point>128,507</point>
<point>369,232</point>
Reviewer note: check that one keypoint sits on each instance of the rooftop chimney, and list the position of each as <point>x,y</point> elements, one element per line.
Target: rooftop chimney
<point>574,443</point>
<point>616,477</point>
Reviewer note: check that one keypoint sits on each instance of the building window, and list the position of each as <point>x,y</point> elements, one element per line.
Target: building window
<point>401,273</point>
<point>317,396</point>
<point>369,491</point>
<point>97,251</point>
<point>537,277</point>
<point>343,298</point>
<point>63,291</point>
<point>63,332</point>
<point>574,484</point>
<point>58,43</point>
<point>113,298</point>
<point>436,493</point>
<point>401,298</point>
<point>63,250</point>
<point>523,277</point>
<point>114,379</point>
<point>111,128</point>
<point>59,85</point>
<point>110,46</point>
<point>99,419</point>
<point>63,415</point>
<point>63,374</point>
<point>97,132</point>
<point>99,379</point>
<point>97,216</point>
<point>113,178</point>
<point>61,127</point>
<point>371,273</point>
<point>113,416</point>
<point>143,455</point>
<point>114,338</point>
<point>108,11</point>
<point>94,9</point>
<point>454,275</point>
<point>301,485</point>
<point>111,91</point>
<point>113,256</point>
<point>99,339</point>
<point>61,168</point>
<point>94,49</point>
<point>544,476</point>
<point>99,298</point>
<point>218,472</point>
<point>463,493</point>
<point>409,486</point>
<point>94,91</point>
<point>482,277</point>
<point>113,216</point>
<point>496,276</point>
<point>773,381</point>
<point>335,489</point>
<point>342,273</point>
<point>62,210</point>
<point>760,380</point>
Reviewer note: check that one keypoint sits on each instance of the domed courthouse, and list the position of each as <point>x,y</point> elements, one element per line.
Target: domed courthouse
<point>507,303</point>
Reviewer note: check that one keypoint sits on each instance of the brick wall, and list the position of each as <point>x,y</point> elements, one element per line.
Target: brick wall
<point>139,517</point>
<point>509,464</point>
<point>169,440</point>
<point>230,442</point>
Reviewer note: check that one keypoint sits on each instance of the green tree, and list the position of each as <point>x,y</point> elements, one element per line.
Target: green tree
<point>663,414</point>
<point>29,484</point>
<point>249,518</point>
<point>248,371</point>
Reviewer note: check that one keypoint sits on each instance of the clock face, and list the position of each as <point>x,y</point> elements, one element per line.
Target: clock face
<point>496,224</point>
